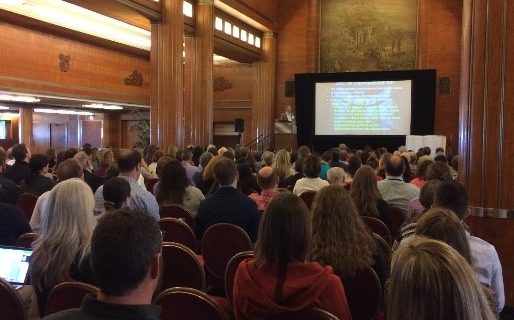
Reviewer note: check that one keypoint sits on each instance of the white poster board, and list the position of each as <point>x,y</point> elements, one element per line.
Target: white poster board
<point>432,141</point>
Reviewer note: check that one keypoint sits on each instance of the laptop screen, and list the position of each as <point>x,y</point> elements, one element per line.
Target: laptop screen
<point>15,264</point>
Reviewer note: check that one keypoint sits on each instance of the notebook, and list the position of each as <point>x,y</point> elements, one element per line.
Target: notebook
<point>15,265</point>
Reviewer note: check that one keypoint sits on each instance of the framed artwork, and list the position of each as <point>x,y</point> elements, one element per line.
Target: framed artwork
<point>368,35</point>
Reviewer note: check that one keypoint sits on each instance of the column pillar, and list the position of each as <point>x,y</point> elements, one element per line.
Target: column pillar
<point>112,130</point>
<point>26,126</point>
<point>264,89</point>
<point>312,30</point>
<point>202,87</point>
<point>166,100</point>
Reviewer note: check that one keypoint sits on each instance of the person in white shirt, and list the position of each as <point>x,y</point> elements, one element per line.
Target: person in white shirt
<point>312,181</point>
<point>394,190</point>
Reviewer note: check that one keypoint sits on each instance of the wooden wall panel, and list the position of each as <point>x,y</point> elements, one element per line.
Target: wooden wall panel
<point>30,63</point>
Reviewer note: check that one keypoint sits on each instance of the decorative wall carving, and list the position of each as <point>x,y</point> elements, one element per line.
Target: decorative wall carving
<point>135,79</point>
<point>64,62</point>
<point>221,84</point>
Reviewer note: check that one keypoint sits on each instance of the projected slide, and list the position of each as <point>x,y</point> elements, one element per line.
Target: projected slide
<point>363,108</point>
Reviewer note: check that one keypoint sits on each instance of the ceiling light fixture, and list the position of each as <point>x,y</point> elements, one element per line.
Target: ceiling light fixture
<point>28,99</point>
<point>4,108</point>
<point>62,111</point>
<point>102,106</point>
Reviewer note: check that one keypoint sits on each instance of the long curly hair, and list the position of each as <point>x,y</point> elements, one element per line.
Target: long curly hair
<point>364,191</point>
<point>339,237</point>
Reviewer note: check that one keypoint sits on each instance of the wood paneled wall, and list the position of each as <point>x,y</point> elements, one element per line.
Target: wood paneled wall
<point>30,63</point>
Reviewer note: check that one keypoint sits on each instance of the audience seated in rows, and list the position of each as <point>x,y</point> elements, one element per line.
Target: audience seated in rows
<point>312,181</point>
<point>267,179</point>
<point>132,240</point>
<point>279,280</point>
<point>227,204</point>
<point>37,182</point>
<point>393,189</point>
<point>9,191</point>
<point>20,169</point>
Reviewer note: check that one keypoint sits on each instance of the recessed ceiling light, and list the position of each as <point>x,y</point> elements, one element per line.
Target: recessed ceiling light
<point>63,111</point>
<point>102,106</point>
<point>28,99</point>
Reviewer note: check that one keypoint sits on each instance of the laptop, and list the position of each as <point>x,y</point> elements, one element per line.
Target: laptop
<point>14,265</point>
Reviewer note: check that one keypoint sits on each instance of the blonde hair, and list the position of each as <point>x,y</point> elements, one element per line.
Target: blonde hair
<point>339,237</point>
<point>208,171</point>
<point>364,191</point>
<point>67,223</point>
<point>282,165</point>
<point>431,281</point>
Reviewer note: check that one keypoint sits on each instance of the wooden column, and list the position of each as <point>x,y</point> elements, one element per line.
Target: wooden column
<point>112,130</point>
<point>166,100</point>
<point>487,102</point>
<point>26,126</point>
<point>202,87</point>
<point>312,35</point>
<point>263,114</point>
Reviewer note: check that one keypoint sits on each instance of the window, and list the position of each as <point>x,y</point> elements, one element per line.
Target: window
<point>218,24</point>
<point>3,129</point>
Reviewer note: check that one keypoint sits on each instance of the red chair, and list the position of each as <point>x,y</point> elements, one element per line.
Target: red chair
<point>363,293</point>
<point>178,212</point>
<point>11,305</point>
<point>68,295</point>
<point>308,198</point>
<point>230,272</point>
<point>220,243</point>
<point>175,230</point>
<point>26,239</point>
<point>397,216</point>
<point>151,183</point>
<point>378,227</point>
<point>384,246</point>
<point>188,303</point>
<point>181,268</point>
<point>26,202</point>
<point>306,314</point>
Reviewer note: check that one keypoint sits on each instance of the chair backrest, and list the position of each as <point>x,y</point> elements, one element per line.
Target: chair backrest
<point>230,272</point>
<point>11,305</point>
<point>378,227</point>
<point>26,239</point>
<point>178,212</point>
<point>68,295</point>
<point>26,202</point>
<point>308,198</point>
<point>363,293</point>
<point>384,246</point>
<point>181,267</point>
<point>397,216</point>
<point>151,183</point>
<point>176,230</point>
<point>188,303</point>
<point>312,313</point>
<point>220,243</point>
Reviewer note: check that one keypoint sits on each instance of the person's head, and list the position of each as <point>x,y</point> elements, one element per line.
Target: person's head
<point>126,254</point>
<point>20,152</point>
<point>343,155</point>
<point>443,225</point>
<point>225,172</point>
<point>354,163</point>
<point>438,170</point>
<point>431,281</point>
<point>427,151</point>
<point>303,152</point>
<point>116,191</point>
<point>452,195</point>
<point>187,155</point>
<point>267,178</point>
<point>70,153</point>
<point>67,223</point>
<point>312,166</point>
<point>327,157</point>
<point>84,160</point>
<point>229,154</point>
<point>427,192</point>
<point>129,161</point>
<point>395,166</point>
<point>339,237</point>
<point>208,171</point>
<point>288,108</point>
<point>454,163</point>
<point>267,158</point>
<point>112,171</point>
<point>52,157</point>
<point>336,175</point>
<point>38,164</point>
<point>107,158</point>
<point>221,151</point>
<point>69,168</point>
<point>364,191</point>
<point>298,165</point>
<point>335,155</point>
<point>173,182</point>
<point>282,164</point>
<point>87,148</point>
<point>205,158</point>
<point>441,157</point>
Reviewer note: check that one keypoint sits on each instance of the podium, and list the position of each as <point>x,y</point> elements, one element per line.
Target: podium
<point>285,135</point>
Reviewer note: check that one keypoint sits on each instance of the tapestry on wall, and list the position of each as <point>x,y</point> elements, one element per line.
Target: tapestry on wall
<point>358,35</point>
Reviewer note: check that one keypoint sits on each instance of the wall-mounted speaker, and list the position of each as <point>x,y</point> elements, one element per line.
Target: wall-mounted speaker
<point>239,125</point>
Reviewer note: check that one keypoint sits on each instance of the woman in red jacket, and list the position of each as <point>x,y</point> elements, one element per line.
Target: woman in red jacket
<point>279,280</point>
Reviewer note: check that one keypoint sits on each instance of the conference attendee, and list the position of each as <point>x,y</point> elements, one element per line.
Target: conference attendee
<point>431,281</point>
<point>227,204</point>
<point>267,158</point>
<point>9,191</point>
<point>337,176</point>
<point>67,169</point>
<point>267,178</point>
<point>439,170</point>
<point>174,187</point>
<point>421,171</point>
<point>393,189</point>
<point>20,169</point>
<point>153,165</point>
<point>132,240</point>
<point>13,224</point>
<point>210,184</point>
<point>343,159</point>
<point>282,167</point>
<point>312,181</point>
<point>340,238</point>
<point>325,164</point>
<point>187,162</point>
<point>303,152</point>
<point>91,179</point>
<point>37,183</point>
<point>51,155</point>
<point>116,193</point>
<point>367,198</point>
<point>382,164</point>
<point>129,162</point>
<point>107,158</point>
<point>287,115</point>
<point>279,279</point>
<point>205,158</point>
<point>61,251</point>
<point>246,183</point>
<point>298,168</point>
<point>354,163</point>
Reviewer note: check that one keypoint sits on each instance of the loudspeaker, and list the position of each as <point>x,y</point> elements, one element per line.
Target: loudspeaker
<point>239,125</point>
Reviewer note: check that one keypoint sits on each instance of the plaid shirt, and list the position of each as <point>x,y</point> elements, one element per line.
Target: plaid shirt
<point>263,199</point>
